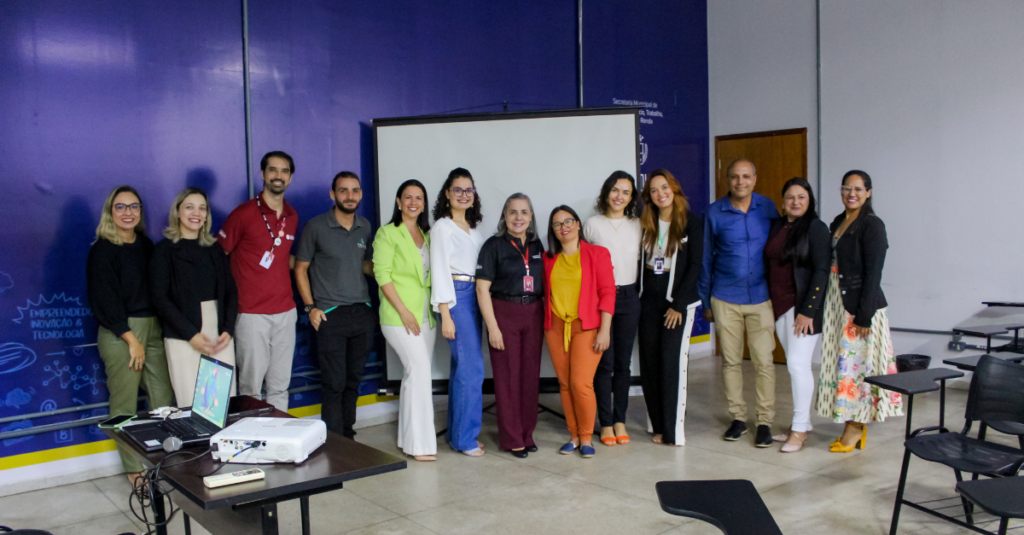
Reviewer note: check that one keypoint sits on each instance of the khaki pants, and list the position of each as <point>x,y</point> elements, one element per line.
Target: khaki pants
<point>758,321</point>
<point>123,382</point>
<point>264,347</point>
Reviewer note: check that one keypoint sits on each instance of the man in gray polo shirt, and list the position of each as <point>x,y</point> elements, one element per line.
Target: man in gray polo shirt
<point>334,258</point>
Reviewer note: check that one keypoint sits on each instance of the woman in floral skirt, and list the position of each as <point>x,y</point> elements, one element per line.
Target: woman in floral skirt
<point>856,342</point>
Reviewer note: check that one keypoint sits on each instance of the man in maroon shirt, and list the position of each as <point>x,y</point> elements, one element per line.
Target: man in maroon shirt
<point>259,235</point>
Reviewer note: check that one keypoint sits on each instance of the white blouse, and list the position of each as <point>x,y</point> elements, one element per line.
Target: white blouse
<point>452,252</point>
<point>622,239</point>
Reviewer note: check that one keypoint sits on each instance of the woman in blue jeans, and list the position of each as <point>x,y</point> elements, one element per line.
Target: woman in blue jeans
<point>454,246</point>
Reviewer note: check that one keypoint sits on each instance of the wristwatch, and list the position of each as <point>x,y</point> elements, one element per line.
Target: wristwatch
<point>309,308</point>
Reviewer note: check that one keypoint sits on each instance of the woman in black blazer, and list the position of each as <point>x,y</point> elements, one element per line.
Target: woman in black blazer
<point>671,253</point>
<point>856,342</point>
<point>796,265</point>
<point>193,292</point>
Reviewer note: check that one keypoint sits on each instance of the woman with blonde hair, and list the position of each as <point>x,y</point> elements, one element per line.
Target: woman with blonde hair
<point>671,255</point>
<point>193,292</point>
<point>129,340</point>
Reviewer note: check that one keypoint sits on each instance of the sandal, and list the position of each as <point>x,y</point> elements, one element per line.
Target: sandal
<point>795,442</point>
<point>624,439</point>
<point>475,452</point>
<point>608,441</point>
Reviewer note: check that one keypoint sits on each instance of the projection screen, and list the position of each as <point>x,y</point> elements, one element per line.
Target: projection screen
<point>555,157</point>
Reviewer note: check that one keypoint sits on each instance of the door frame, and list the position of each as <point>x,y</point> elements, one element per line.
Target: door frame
<point>766,133</point>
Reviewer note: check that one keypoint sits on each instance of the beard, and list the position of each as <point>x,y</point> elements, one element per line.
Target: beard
<point>345,210</point>
<point>275,187</point>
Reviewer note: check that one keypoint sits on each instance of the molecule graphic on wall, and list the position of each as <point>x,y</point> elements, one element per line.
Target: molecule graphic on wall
<point>77,380</point>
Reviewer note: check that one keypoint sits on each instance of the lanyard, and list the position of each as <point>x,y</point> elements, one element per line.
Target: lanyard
<point>277,239</point>
<point>526,256</point>
<point>661,241</point>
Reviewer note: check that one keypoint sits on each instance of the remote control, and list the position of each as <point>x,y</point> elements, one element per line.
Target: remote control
<point>233,478</point>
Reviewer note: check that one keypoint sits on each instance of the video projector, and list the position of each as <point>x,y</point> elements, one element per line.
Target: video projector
<point>270,440</point>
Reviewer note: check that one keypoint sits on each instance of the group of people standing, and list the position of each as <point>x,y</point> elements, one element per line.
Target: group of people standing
<point>643,265</point>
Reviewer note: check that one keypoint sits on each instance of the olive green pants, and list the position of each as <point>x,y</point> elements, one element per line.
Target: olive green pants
<point>124,382</point>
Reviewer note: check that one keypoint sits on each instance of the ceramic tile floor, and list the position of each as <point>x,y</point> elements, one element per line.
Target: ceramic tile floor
<point>813,491</point>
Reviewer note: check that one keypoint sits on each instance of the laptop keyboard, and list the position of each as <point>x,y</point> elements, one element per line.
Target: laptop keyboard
<point>184,428</point>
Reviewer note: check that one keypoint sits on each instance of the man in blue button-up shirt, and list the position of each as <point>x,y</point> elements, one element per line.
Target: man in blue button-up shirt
<point>735,295</point>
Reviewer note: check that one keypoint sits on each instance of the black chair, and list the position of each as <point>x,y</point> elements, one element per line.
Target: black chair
<point>1003,497</point>
<point>731,505</point>
<point>996,397</point>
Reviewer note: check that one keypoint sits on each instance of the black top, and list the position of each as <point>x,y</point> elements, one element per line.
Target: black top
<point>502,264</point>
<point>689,261</point>
<point>181,275</point>
<point>860,254</point>
<point>117,277</point>
<point>811,279</point>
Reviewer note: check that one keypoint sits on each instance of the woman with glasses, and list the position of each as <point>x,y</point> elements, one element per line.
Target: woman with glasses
<point>193,292</point>
<point>856,342</point>
<point>509,288</point>
<point>796,262</point>
<point>671,257</point>
<point>617,228</point>
<point>401,265</point>
<point>455,245</point>
<point>130,340</point>
<point>580,297</point>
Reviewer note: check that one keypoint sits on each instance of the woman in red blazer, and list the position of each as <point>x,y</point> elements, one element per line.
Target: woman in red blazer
<point>580,301</point>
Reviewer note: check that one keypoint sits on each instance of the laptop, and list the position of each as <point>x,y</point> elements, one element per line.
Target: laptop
<point>209,411</point>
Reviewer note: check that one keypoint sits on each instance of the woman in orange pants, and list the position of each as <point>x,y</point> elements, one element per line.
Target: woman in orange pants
<point>580,291</point>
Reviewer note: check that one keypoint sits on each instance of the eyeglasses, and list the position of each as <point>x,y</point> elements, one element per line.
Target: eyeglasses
<point>121,207</point>
<point>459,192</point>
<point>567,223</point>
<point>847,189</point>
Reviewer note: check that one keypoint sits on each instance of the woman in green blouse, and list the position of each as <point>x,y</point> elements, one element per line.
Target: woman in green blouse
<point>401,265</point>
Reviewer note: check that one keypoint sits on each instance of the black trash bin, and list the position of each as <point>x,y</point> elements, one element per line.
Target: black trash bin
<point>911,362</point>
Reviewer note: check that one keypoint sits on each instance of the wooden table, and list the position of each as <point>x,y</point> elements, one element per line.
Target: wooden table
<point>252,507</point>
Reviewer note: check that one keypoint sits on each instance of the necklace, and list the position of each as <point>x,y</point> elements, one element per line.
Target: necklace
<point>616,228</point>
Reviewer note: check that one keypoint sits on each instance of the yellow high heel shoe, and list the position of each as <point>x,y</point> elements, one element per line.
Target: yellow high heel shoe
<point>838,447</point>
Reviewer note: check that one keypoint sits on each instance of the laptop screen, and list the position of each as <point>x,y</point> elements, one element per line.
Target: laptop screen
<point>213,390</point>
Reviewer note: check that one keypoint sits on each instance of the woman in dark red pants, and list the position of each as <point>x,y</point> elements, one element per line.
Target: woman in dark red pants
<point>510,290</point>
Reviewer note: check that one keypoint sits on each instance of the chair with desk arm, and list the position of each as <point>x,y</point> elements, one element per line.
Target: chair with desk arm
<point>995,399</point>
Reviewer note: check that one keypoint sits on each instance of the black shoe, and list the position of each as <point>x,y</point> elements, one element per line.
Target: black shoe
<point>736,430</point>
<point>531,449</point>
<point>521,454</point>
<point>764,437</point>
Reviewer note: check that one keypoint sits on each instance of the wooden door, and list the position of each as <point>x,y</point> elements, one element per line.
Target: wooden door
<point>778,156</point>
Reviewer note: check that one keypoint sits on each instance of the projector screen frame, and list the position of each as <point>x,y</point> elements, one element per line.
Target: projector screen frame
<point>548,385</point>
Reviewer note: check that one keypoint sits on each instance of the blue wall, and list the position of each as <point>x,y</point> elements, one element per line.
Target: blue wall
<point>96,94</point>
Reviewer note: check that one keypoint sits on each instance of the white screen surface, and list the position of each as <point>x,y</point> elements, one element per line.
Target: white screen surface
<point>554,160</point>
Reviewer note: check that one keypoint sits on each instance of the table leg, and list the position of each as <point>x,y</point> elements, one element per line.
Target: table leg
<point>942,403</point>
<point>268,514</point>
<point>159,515</point>
<point>304,506</point>
<point>188,523</point>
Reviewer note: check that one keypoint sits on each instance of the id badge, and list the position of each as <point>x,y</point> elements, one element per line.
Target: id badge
<point>528,284</point>
<point>659,266</point>
<point>268,258</point>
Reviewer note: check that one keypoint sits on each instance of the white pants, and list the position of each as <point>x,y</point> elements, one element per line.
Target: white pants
<point>416,402</point>
<point>799,351</point>
<point>265,345</point>
<point>183,361</point>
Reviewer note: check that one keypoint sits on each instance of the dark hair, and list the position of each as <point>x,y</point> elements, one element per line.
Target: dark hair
<point>442,208</point>
<point>632,209</point>
<point>277,154</point>
<point>341,175</point>
<point>422,220</point>
<point>867,209</point>
<point>797,248</point>
<point>555,246</point>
